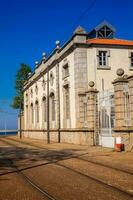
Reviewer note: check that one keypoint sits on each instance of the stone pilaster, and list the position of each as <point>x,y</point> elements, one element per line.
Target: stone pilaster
<point>92,108</point>
<point>80,76</point>
<point>92,112</point>
<point>119,87</point>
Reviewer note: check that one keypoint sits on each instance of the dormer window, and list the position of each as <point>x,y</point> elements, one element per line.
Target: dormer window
<point>103,30</point>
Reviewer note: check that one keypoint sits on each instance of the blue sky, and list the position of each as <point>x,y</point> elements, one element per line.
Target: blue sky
<point>30,27</point>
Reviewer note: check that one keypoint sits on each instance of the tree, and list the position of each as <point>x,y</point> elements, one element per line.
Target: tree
<point>21,76</point>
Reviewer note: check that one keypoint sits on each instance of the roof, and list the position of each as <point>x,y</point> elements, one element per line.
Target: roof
<point>105,23</point>
<point>119,42</point>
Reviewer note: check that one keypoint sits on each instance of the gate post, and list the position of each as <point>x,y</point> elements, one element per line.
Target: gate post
<point>119,87</point>
<point>120,94</point>
<point>92,111</point>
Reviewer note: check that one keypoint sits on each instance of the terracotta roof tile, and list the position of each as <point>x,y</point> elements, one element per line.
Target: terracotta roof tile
<point>110,41</point>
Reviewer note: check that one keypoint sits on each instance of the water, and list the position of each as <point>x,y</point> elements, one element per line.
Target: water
<point>8,133</point>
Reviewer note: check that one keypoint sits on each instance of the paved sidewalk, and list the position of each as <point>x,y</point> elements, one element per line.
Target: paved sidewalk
<point>95,153</point>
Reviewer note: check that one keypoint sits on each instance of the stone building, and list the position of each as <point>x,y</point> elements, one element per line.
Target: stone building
<point>59,103</point>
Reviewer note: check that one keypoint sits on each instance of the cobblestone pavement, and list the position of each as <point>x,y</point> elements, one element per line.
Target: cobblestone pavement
<point>67,172</point>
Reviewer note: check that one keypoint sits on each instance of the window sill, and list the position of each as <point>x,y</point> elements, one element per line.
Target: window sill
<point>103,67</point>
<point>131,68</point>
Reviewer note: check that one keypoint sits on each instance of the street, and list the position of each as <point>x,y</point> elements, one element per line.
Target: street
<point>31,169</point>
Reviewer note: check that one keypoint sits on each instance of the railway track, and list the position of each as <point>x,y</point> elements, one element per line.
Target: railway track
<point>77,157</point>
<point>97,180</point>
<point>34,185</point>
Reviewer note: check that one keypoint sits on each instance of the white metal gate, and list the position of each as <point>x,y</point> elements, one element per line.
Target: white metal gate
<point>106,118</point>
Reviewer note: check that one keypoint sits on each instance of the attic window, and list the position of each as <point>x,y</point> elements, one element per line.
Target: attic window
<point>105,32</point>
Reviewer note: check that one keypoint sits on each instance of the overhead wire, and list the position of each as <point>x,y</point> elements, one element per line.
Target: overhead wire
<point>79,18</point>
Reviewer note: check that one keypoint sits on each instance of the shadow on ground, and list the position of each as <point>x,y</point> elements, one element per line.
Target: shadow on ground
<point>22,157</point>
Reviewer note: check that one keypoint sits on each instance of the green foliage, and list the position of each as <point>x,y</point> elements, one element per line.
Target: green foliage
<point>21,77</point>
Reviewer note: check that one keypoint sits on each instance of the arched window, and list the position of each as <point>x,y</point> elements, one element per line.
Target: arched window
<point>52,106</point>
<point>32,113</point>
<point>44,109</point>
<point>37,112</point>
<point>36,89</point>
<point>67,103</point>
<point>51,79</point>
<point>31,93</point>
<point>26,112</point>
<point>43,83</point>
<point>26,98</point>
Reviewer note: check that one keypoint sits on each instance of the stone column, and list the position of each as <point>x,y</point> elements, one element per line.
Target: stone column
<point>80,68</point>
<point>119,87</point>
<point>92,111</point>
<point>92,107</point>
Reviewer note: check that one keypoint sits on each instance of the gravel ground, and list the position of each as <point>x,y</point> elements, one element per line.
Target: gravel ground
<point>13,187</point>
<point>54,169</point>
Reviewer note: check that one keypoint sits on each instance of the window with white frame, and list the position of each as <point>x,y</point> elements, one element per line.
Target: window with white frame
<point>102,58</point>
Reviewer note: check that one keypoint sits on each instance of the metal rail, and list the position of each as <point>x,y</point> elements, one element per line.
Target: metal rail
<point>26,178</point>
<point>92,177</point>
<point>76,156</point>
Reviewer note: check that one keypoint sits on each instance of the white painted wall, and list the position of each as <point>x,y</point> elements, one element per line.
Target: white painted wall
<point>119,58</point>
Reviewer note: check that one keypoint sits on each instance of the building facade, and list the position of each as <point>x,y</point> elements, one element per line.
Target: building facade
<point>59,103</point>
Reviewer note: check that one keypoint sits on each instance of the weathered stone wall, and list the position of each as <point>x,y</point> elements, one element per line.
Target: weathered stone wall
<point>67,136</point>
<point>80,77</point>
<point>122,129</point>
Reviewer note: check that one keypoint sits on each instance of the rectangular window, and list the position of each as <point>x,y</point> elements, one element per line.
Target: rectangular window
<point>131,59</point>
<point>102,58</point>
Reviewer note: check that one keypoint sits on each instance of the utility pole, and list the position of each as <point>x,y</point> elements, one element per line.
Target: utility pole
<point>20,122</point>
<point>48,134</point>
<point>58,104</point>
